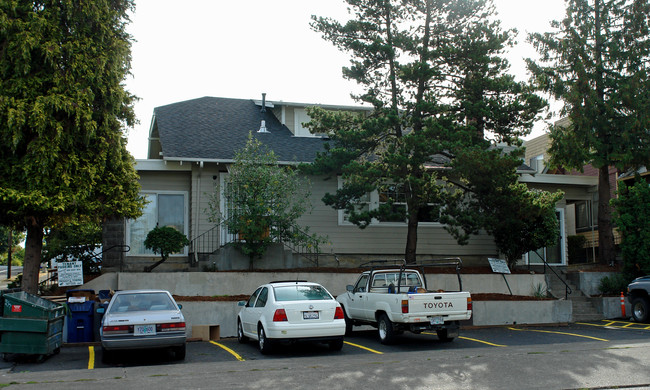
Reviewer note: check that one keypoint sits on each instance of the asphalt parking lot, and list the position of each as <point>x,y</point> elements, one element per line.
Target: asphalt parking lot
<point>362,343</point>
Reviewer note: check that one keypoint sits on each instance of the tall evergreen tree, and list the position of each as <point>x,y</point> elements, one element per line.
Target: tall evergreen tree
<point>435,74</point>
<point>596,62</point>
<point>63,109</point>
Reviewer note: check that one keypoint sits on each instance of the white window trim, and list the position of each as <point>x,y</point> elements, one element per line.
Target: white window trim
<point>372,205</point>
<point>185,220</point>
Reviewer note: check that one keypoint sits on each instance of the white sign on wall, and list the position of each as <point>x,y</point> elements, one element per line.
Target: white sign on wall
<point>499,266</point>
<point>71,273</point>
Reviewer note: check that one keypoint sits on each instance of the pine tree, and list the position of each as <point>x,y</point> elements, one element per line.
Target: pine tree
<point>596,63</point>
<point>435,73</point>
<point>63,109</point>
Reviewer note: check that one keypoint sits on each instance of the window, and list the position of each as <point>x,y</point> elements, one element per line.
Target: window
<point>361,284</point>
<point>261,300</point>
<point>301,293</point>
<point>392,196</point>
<point>251,300</point>
<point>163,209</point>
<point>583,215</point>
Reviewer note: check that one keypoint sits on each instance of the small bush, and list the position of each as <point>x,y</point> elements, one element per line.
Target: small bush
<point>613,285</point>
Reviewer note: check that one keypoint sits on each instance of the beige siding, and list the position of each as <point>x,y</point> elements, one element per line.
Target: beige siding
<point>383,239</point>
<point>537,146</point>
<point>289,119</point>
<point>204,182</point>
<point>165,181</point>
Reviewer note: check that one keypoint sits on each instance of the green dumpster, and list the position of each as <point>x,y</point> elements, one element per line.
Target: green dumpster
<point>30,324</point>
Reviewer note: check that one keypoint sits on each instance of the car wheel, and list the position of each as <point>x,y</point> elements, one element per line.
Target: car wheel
<point>348,323</point>
<point>640,309</point>
<point>179,352</point>
<point>443,335</point>
<point>336,345</point>
<point>107,356</point>
<point>240,333</point>
<point>385,327</point>
<point>263,342</point>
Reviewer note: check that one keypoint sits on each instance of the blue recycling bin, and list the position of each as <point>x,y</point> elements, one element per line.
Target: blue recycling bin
<point>80,318</point>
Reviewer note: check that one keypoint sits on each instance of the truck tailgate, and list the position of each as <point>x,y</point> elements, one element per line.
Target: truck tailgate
<point>428,304</point>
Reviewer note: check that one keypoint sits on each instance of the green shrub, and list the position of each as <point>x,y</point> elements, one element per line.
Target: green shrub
<point>613,285</point>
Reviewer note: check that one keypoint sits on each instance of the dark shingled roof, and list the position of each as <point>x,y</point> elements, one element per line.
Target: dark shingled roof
<point>213,128</point>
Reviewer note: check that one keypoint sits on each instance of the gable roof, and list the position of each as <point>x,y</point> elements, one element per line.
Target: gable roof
<point>213,129</point>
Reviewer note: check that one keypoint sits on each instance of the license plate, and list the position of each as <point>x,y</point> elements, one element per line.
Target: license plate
<point>437,320</point>
<point>144,330</point>
<point>309,315</point>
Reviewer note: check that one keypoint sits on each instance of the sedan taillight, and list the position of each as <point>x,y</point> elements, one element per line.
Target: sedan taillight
<point>114,330</point>
<point>338,314</point>
<point>172,327</point>
<point>280,315</point>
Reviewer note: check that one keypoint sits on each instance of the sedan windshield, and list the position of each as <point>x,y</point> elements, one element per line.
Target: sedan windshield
<point>142,301</point>
<point>301,293</point>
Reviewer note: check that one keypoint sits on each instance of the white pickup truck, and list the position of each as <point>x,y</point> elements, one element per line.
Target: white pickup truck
<point>378,299</point>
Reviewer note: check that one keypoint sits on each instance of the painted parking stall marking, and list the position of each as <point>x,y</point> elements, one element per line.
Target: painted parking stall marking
<point>233,353</point>
<point>471,339</point>
<point>91,357</point>
<point>618,325</point>
<point>362,347</point>
<point>561,333</point>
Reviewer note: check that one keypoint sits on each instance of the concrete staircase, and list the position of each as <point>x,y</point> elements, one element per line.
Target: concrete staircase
<point>583,308</point>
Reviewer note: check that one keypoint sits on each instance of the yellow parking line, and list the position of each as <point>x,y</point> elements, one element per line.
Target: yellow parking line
<point>470,339</point>
<point>563,333</point>
<point>91,357</point>
<point>362,347</point>
<point>481,341</point>
<point>233,353</point>
<point>614,324</point>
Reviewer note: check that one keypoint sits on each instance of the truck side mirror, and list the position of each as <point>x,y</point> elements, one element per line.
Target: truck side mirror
<point>349,287</point>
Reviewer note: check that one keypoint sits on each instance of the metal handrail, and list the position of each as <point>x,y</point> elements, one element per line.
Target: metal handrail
<point>206,242</point>
<point>210,240</point>
<point>567,289</point>
<point>305,249</point>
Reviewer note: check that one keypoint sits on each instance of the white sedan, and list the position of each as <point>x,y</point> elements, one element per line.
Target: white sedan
<point>291,311</point>
<point>143,319</point>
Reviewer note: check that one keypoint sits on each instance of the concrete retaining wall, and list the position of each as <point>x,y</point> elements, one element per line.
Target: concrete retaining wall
<point>236,283</point>
<point>521,312</point>
<point>611,307</point>
<point>224,314</point>
<point>588,282</point>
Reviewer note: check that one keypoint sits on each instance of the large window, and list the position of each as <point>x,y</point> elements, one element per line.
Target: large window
<point>163,209</point>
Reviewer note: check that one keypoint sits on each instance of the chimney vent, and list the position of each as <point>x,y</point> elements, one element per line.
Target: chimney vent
<point>263,110</point>
<point>262,127</point>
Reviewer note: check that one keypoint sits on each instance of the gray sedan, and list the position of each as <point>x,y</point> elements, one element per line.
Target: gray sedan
<point>142,319</point>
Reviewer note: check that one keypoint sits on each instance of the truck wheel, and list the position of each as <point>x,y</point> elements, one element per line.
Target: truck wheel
<point>348,323</point>
<point>640,309</point>
<point>386,333</point>
<point>443,335</point>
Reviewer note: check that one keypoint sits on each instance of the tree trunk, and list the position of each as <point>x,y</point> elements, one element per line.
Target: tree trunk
<point>32,264</point>
<point>149,268</point>
<point>11,248</point>
<point>411,238</point>
<point>606,249</point>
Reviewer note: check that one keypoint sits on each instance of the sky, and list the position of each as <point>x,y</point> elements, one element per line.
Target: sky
<point>242,48</point>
